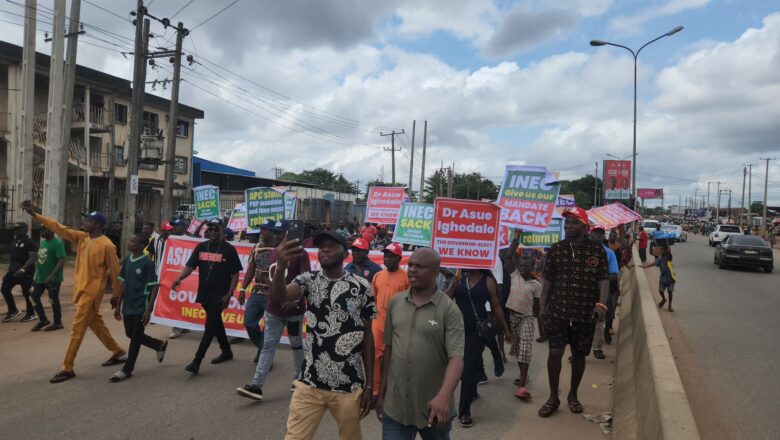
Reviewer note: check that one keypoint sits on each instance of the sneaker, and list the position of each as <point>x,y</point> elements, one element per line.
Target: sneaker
<point>193,367</point>
<point>223,357</point>
<point>11,315</point>
<point>466,421</point>
<point>177,332</point>
<point>161,352</point>
<point>253,392</point>
<point>119,376</point>
<point>40,325</point>
<point>54,326</point>
<point>62,376</point>
<point>28,317</point>
<point>483,379</point>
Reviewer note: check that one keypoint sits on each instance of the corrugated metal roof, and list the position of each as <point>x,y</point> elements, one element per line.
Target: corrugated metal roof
<point>215,167</point>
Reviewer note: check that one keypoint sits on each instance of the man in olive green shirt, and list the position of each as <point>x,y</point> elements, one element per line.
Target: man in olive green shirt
<point>423,359</point>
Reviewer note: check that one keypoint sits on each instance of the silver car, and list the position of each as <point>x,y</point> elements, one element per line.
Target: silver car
<point>677,230</point>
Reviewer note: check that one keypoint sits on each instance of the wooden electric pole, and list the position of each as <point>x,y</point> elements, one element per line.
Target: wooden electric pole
<point>766,191</point>
<point>28,102</point>
<point>170,147</point>
<point>57,147</point>
<point>411,160</point>
<point>392,149</point>
<point>422,172</point>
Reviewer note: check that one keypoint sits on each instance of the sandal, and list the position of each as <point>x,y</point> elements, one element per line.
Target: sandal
<point>119,376</point>
<point>116,359</point>
<point>661,304</point>
<point>62,376</point>
<point>670,309</point>
<point>575,406</point>
<point>549,409</point>
<point>523,394</point>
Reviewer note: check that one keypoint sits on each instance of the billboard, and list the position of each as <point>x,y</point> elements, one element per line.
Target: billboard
<point>650,193</point>
<point>617,179</point>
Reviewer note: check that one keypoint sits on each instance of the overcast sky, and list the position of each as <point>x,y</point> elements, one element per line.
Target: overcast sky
<point>300,84</point>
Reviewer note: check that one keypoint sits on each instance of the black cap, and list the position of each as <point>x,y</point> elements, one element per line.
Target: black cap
<point>330,235</point>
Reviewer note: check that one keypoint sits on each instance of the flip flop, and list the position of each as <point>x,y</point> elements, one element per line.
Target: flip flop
<point>549,409</point>
<point>523,394</point>
<point>575,406</point>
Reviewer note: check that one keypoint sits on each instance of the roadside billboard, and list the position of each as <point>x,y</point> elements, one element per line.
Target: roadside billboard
<point>617,179</point>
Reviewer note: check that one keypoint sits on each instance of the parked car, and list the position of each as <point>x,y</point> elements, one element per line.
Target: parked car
<point>677,230</point>
<point>650,225</point>
<point>744,251</point>
<point>722,231</point>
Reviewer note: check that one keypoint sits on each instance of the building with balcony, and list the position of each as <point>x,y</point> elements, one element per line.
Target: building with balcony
<point>98,145</point>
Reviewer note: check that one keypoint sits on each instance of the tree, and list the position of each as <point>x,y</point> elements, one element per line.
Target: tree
<point>322,178</point>
<point>582,189</point>
<point>471,186</point>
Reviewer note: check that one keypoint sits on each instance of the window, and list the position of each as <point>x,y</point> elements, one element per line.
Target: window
<point>180,165</point>
<point>119,155</point>
<point>120,113</point>
<point>726,228</point>
<point>182,128</point>
<point>151,121</point>
<point>147,166</point>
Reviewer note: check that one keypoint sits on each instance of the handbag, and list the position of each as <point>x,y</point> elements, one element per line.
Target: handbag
<point>487,329</point>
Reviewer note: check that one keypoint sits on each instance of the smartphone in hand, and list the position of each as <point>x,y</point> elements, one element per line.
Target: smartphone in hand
<point>295,232</point>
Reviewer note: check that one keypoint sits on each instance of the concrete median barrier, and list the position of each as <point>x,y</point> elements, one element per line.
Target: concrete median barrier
<point>649,397</point>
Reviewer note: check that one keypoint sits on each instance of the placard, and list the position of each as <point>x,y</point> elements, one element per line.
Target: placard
<point>206,199</point>
<point>415,224</point>
<point>528,197</point>
<point>465,233</point>
<point>610,216</point>
<point>263,204</point>
<point>384,204</point>
<point>237,220</point>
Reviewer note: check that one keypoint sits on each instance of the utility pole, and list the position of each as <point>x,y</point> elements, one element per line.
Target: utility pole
<point>67,117</point>
<point>750,198</point>
<point>170,148</point>
<point>717,209</point>
<point>139,83</point>
<point>422,172</point>
<point>742,200</point>
<point>392,149</point>
<point>55,145</point>
<point>110,201</point>
<point>596,186</point>
<point>449,181</point>
<point>411,159</point>
<point>28,100</point>
<point>766,190</point>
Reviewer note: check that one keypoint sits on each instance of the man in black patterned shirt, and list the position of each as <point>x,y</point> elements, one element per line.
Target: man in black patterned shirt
<point>338,349</point>
<point>574,297</point>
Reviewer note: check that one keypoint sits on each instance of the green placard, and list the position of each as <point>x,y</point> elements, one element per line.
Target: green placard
<point>263,204</point>
<point>553,234</point>
<point>415,224</point>
<point>206,202</point>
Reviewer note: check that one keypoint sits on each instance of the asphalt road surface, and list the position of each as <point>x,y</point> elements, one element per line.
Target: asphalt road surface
<point>729,322</point>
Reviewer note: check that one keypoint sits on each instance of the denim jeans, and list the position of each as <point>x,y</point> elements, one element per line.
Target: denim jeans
<point>253,312</point>
<point>394,430</point>
<point>54,298</point>
<point>273,332</point>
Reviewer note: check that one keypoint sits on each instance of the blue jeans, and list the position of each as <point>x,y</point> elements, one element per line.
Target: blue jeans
<point>273,332</point>
<point>394,430</point>
<point>253,312</point>
<point>54,298</point>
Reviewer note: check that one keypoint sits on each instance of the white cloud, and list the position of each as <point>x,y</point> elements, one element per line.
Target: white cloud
<point>631,24</point>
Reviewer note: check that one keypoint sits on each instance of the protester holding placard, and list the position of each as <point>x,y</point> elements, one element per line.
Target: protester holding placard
<point>574,296</point>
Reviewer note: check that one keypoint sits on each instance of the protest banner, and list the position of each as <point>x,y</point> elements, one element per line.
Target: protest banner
<point>193,227</point>
<point>415,224</point>
<point>528,197</point>
<point>384,203</point>
<point>206,202</point>
<point>650,193</point>
<point>617,179</point>
<point>179,309</point>
<point>263,204</point>
<point>612,215</point>
<point>553,234</point>
<point>237,220</point>
<point>465,233</point>
<point>290,205</point>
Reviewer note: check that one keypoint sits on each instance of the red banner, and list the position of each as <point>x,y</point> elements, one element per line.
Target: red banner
<point>650,193</point>
<point>617,179</point>
<point>384,204</point>
<point>465,233</point>
<point>179,309</point>
<point>611,216</point>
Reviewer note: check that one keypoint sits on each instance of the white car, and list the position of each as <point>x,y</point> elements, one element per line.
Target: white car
<point>650,225</point>
<point>677,230</point>
<point>722,231</point>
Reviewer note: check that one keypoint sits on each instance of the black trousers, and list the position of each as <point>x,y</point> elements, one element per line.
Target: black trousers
<point>214,327</point>
<point>472,357</point>
<point>9,282</point>
<point>134,330</point>
<point>54,298</point>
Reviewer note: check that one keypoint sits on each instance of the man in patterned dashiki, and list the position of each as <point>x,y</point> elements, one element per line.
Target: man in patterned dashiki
<point>338,348</point>
<point>574,297</point>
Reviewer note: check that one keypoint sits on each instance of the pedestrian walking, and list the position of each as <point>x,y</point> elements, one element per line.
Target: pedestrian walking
<point>387,283</point>
<point>601,334</point>
<point>218,266</point>
<point>574,293</point>
<point>96,263</point>
<point>361,265</point>
<point>523,290</point>
<point>423,356</point>
<point>471,290</point>
<point>338,348</point>
<point>48,276</point>
<point>20,273</point>
<point>135,302</point>
<point>278,316</point>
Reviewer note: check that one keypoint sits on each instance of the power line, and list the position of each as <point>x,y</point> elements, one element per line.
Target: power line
<point>110,12</point>
<point>219,12</point>
<point>181,9</point>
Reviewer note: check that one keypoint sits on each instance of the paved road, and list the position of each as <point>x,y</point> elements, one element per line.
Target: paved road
<point>729,320</point>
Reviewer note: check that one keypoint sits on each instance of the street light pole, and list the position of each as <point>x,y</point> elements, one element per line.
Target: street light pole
<point>636,56</point>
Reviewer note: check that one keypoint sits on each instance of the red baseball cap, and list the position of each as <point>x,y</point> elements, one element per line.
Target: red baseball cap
<point>394,248</point>
<point>595,227</point>
<point>166,226</point>
<point>577,212</point>
<point>360,243</point>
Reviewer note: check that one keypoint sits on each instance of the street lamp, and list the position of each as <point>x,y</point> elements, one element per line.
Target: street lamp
<point>597,43</point>
<point>621,158</point>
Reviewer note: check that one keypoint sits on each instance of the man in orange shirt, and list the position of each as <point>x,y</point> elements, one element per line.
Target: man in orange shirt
<point>96,262</point>
<point>386,284</point>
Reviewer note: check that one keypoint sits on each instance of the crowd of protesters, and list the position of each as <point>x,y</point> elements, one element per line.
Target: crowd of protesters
<point>384,338</point>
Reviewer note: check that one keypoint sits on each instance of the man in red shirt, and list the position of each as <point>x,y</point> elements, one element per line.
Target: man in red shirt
<point>369,232</point>
<point>643,239</point>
